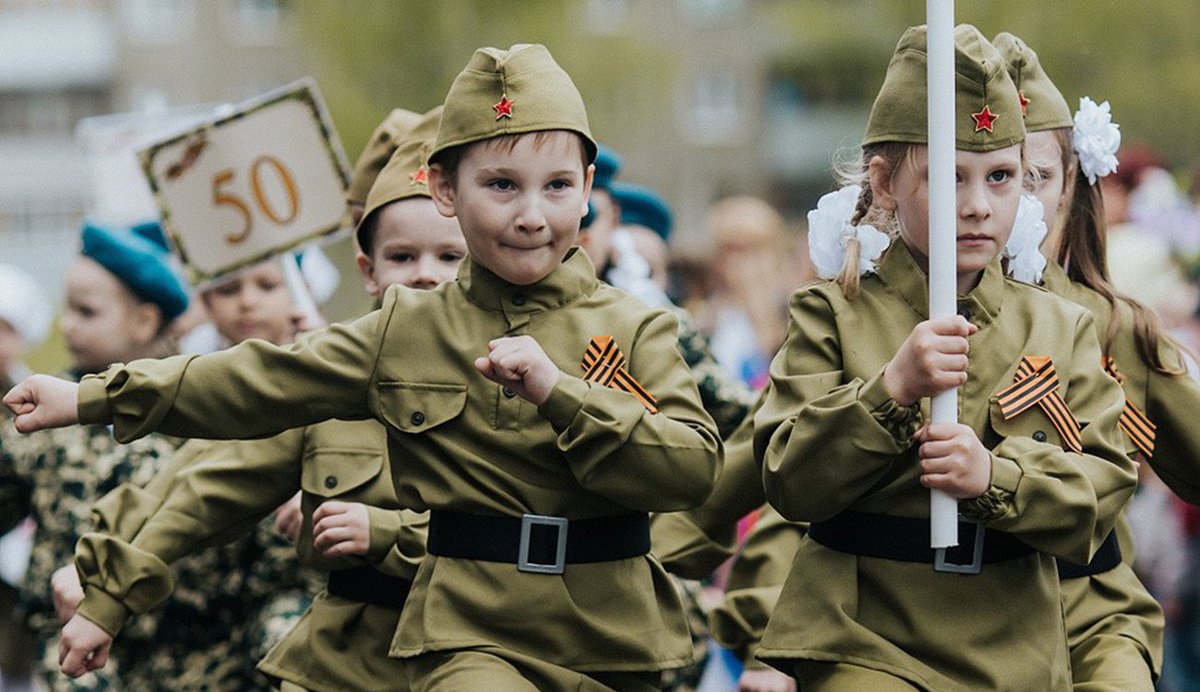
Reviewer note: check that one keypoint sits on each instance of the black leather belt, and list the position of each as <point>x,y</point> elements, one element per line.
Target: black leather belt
<point>907,540</point>
<point>368,585</point>
<point>536,543</point>
<point>1106,558</point>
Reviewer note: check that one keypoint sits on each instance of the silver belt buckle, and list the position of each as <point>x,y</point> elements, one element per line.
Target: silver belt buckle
<point>524,564</point>
<point>975,566</point>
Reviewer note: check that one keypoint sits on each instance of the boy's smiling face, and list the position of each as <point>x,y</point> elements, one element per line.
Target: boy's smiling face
<point>519,206</point>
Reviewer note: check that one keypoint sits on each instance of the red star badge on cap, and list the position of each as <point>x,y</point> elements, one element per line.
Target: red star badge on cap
<point>1024,101</point>
<point>420,176</point>
<point>984,119</point>
<point>504,108</point>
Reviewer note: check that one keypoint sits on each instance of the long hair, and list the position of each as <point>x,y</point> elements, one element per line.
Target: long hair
<point>1082,252</point>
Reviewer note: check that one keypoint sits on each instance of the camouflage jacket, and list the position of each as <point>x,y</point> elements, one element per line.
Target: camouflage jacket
<point>726,399</point>
<point>207,633</point>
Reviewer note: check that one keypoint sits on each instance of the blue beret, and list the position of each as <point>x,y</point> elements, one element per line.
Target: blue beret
<point>139,258</point>
<point>641,206</point>
<point>608,164</point>
<point>153,231</point>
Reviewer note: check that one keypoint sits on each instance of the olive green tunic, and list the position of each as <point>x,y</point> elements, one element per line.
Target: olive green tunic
<point>831,439</point>
<point>693,543</point>
<point>214,491</point>
<point>1114,608</point>
<point>459,442</point>
<point>755,581</point>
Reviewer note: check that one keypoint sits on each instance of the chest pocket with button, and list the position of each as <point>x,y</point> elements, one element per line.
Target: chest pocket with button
<point>416,407</point>
<point>333,472</point>
<point>1032,423</point>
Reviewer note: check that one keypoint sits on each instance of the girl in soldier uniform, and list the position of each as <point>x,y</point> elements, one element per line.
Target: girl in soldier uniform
<point>1113,625</point>
<point>1035,460</point>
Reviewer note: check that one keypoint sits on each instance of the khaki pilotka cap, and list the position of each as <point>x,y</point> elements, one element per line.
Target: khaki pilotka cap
<point>514,91</point>
<point>377,153</point>
<point>406,174</point>
<point>987,109</point>
<point>1044,105</point>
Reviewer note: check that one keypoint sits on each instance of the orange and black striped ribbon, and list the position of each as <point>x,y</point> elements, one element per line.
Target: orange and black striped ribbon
<point>603,363</point>
<point>1037,383</point>
<point>1136,425</point>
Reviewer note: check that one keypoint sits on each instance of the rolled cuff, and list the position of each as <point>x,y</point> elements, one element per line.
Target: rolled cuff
<point>996,501</point>
<point>384,525</point>
<point>900,421</point>
<point>93,407</point>
<point>565,401</point>
<point>108,613</point>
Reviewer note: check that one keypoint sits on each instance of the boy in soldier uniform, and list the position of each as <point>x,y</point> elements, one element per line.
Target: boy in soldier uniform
<point>537,413</point>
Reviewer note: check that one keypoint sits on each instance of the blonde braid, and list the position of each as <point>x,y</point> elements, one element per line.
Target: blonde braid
<point>849,278</point>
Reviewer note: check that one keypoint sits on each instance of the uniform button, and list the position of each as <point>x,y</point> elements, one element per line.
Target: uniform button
<point>965,312</point>
<point>520,299</point>
<point>1039,436</point>
<point>418,418</point>
<point>331,482</point>
<point>508,392</point>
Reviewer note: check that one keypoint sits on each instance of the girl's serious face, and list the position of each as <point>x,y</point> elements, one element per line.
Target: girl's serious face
<point>1045,157</point>
<point>519,207</point>
<point>989,190</point>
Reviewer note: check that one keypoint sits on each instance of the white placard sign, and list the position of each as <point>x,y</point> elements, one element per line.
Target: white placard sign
<point>249,185</point>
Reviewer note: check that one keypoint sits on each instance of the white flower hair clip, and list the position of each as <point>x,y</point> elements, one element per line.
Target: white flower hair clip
<point>1096,139</point>
<point>1023,250</point>
<point>829,230</point>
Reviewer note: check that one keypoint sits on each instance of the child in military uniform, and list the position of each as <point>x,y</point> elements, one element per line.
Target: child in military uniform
<point>380,147</point>
<point>352,524</point>
<point>1035,459</point>
<point>1113,625</point>
<point>121,297</point>
<point>752,590</point>
<point>538,479</point>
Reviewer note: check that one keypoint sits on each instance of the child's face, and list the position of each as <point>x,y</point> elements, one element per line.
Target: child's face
<point>519,208</point>
<point>989,191</point>
<point>414,246</point>
<point>104,322</point>
<point>253,305</point>
<point>1044,154</point>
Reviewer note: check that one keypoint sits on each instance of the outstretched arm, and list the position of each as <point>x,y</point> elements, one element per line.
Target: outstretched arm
<point>252,390</point>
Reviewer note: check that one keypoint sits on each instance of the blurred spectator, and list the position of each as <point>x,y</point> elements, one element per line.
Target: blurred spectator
<point>747,312</point>
<point>1141,262</point>
<point>638,262</point>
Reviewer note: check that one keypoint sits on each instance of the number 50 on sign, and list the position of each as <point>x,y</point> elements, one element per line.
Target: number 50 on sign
<point>251,184</point>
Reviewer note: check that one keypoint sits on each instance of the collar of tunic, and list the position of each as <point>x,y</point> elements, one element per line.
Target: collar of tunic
<point>573,278</point>
<point>1055,279</point>
<point>900,272</point>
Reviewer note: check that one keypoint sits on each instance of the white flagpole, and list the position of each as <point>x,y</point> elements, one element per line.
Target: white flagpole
<point>943,509</point>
